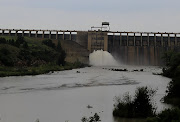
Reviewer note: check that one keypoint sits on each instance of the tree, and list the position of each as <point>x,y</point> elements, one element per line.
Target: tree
<point>6,58</point>
<point>11,42</point>
<point>25,45</point>
<point>142,102</point>
<point>20,40</point>
<point>61,58</point>
<point>59,48</point>
<point>49,43</point>
<point>141,106</point>
<point>3,41</point>
<point>95,118</point>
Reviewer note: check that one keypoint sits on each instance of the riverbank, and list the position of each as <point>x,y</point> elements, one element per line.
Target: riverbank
<point>42,69</point>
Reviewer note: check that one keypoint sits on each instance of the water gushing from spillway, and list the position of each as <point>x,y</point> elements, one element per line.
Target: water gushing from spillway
<point>102,58</point>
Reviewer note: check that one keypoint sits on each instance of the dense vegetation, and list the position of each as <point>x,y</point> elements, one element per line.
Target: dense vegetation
<point>139,107</point>
<point>167,115</point>
<point>28,56</point>
<point>172,70</point>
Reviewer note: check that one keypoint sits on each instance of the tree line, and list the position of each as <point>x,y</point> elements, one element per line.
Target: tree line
<point>15,52</point>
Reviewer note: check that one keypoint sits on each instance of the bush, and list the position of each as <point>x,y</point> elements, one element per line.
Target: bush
<point>6,58</point>
<point>49,43</point>
<point>123,107</point>
<point>94,118</point>
<point>3,41</point>
<point>140,107</point>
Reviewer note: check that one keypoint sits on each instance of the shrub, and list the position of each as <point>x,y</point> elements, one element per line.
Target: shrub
<point>123,107</point>
<point>3,41</point>
<point>94,118</point>
<point>49,43</point>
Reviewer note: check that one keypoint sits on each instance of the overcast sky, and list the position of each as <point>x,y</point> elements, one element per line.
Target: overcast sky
<point>123,15</point>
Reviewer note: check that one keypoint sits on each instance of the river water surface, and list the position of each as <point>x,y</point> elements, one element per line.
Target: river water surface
<point>64,96</point>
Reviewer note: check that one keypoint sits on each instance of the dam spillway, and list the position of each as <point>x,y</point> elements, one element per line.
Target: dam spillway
<point>135,48</point>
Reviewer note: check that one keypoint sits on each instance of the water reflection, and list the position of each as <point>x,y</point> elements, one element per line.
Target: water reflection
<point>129,120</point>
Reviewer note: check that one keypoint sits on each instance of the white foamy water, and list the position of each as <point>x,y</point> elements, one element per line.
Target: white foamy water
<point>102,58</point>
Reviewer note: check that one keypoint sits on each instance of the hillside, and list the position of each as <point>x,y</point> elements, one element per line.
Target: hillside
<point>32,56</point>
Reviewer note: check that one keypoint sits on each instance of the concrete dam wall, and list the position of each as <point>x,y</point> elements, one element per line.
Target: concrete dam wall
<point>134,48</point>
<point>141,50</point>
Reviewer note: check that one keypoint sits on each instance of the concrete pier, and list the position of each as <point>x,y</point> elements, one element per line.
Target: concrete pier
<point>49,34</point>
<point>148,39</point>
<point>155,39</point>
<point>127,40</point>
<point>162,40</point>
<point>169,43</point>
<point>175,39</point>
<point>134,39</point>
<point>29,33</point>
<point>141,40</point>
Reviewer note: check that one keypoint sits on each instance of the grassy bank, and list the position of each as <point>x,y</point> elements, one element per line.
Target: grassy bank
<point>22,71</point>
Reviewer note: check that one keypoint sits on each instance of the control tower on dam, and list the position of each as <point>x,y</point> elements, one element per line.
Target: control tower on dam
<point>135,48</point>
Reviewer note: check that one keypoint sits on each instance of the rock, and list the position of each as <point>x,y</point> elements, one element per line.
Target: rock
<point>118,69</point>
<point>89,106</point>
<point>135,70</point>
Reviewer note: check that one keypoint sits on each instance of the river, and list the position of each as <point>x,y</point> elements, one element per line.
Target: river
<point>64,96</point>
